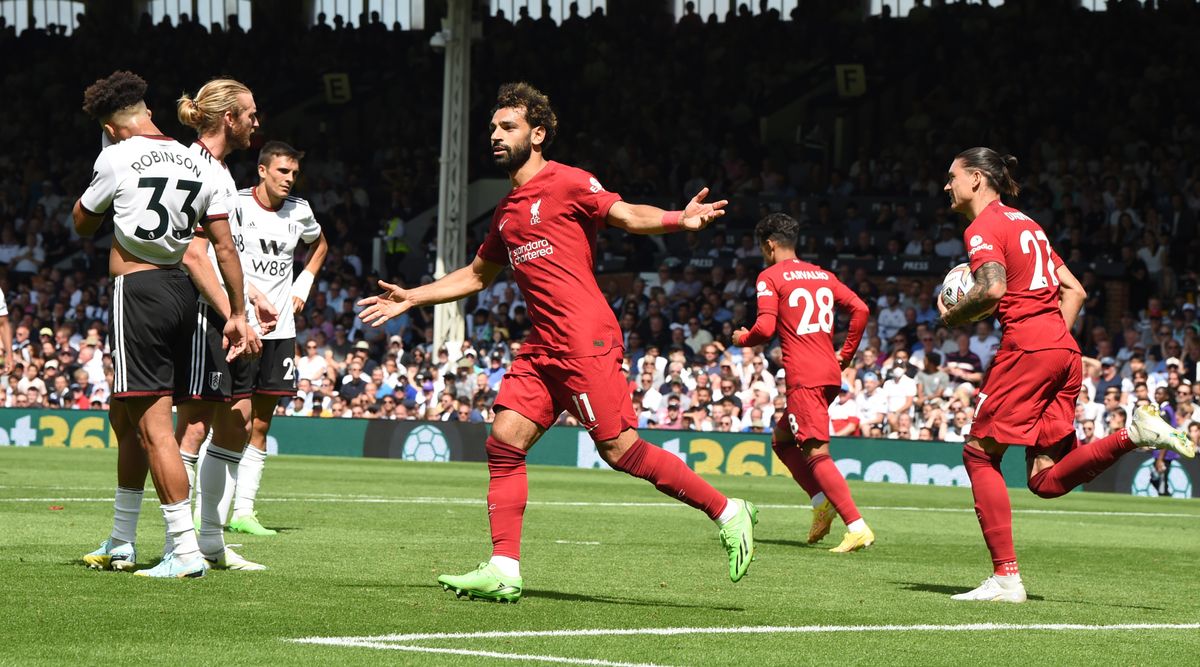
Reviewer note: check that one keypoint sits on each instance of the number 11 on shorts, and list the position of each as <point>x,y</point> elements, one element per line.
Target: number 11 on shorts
<point>585,413</point>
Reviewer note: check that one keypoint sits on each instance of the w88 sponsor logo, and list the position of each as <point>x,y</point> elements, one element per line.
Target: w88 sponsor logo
<point>274,267</point>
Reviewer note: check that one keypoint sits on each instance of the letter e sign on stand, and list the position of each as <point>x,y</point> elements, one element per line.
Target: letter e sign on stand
<point>337,88</point>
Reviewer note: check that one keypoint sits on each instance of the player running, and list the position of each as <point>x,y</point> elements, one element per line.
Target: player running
<point>545,228</point>
<point>158,192</point>
<point>1028,395</point>
<point>797,300</point>
<point>224,116</point>
<point>274,225</point>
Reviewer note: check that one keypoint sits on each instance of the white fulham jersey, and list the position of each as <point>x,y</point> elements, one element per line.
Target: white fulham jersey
<point>267,246</point>
<point>224,183</point>
<point>158,191</point>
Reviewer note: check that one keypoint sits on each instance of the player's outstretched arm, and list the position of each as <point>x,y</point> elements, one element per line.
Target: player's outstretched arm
<point>394,300</point>
<point>991,283</point>
<point>646,219</point>
<point>1071,295</point>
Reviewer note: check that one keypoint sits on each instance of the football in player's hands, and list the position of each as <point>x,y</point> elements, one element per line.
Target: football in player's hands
<point>956,284</point>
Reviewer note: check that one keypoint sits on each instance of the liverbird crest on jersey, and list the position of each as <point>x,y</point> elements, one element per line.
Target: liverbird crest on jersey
<point>535,212</point>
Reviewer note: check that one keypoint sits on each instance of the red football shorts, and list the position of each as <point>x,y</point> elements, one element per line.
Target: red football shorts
<point>1028,398</point>
<point>808,412</point>
<point>594,390</point>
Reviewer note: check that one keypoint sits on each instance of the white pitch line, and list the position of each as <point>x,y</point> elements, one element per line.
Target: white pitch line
<point>586,544</point>
<point>55,488</point>
<point>750,630</point>
<point>336,641</point>
<point>372,500</point>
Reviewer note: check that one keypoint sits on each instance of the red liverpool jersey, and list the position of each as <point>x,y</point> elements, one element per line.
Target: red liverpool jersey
<point>1029,310</point>
<point>798,300</point>
<point>546,230</point>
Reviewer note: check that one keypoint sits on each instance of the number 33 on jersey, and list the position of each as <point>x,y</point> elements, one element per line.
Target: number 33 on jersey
<point>169,190</point>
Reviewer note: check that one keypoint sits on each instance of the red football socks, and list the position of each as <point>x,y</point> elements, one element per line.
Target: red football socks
<point>671,476</point>
<point>992,506</point>
<point>508,490</point>
<point>1081,465</point>
<point>793,457</point>
<point>830,480</point>
<point>1006,569</point>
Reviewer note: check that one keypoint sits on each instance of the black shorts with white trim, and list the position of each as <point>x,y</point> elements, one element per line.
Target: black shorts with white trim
<point>208,376</point>
<point>151,315</point>
<point>271,374</point>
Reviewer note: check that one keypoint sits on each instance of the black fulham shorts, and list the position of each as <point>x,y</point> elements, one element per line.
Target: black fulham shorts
<point>271,374</point>
<point>207,376</point>
<point>152,314</point>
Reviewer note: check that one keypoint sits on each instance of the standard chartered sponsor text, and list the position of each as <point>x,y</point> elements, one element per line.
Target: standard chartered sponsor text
<point>531,250</point>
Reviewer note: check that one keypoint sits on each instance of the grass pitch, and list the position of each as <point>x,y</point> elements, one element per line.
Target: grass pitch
<point>362,542</point>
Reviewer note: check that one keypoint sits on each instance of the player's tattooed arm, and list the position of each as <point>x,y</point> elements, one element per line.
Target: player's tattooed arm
<point>991,282</point>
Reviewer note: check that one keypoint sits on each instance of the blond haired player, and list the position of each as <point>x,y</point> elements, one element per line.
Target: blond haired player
<point>225,116</point>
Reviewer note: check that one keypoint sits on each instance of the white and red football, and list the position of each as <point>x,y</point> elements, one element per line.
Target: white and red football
<point>956,284</point>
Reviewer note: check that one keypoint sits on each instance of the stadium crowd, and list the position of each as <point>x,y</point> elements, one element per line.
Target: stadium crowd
<point>1113,181</point>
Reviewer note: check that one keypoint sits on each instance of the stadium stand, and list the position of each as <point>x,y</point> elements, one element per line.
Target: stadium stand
<point>1111,176</point>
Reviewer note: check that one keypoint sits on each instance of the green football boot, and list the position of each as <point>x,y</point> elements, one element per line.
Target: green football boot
<point>738,537</point>
<point>249,525</point>
<point>483,583</point>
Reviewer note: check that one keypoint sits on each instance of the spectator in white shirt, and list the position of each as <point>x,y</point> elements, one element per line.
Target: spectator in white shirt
<point>959,428</point>
<point>899,392</point>
<point>891,317</point>
<point>903,429</point>
<point>313,366</point>
<point>984,343</point>
<point>872,404</point>
<point>843,413</point>
<point>31,380</point>
<point>651,397</point>
<point>31,256</point>
<point>948,245</point>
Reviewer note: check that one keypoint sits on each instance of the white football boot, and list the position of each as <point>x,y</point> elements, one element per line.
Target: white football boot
<point>992,590</point>
<point>1149,429</point>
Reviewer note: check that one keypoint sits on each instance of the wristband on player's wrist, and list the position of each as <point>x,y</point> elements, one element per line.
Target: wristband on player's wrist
<point>302,285</point>
<point>672,221</point>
